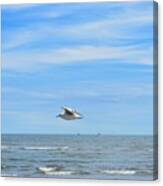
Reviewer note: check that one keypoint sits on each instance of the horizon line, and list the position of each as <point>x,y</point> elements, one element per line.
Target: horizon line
<point>76,134</point>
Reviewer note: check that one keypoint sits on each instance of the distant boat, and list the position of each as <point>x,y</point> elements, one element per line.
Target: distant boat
<point>69,114</point>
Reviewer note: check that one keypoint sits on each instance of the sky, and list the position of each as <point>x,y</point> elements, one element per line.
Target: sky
<point>94,57</point>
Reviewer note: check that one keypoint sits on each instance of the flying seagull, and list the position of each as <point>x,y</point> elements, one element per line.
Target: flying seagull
<point>69,114</point>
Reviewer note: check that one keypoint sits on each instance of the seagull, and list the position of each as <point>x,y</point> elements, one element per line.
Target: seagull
<point>69,114</point>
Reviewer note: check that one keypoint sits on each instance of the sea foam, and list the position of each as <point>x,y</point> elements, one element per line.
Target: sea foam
<point>45,148</point>
<point>120,172</point>
<point>54,171</point>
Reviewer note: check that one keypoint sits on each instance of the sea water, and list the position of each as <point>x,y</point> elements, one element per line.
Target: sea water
<point>78,156</point>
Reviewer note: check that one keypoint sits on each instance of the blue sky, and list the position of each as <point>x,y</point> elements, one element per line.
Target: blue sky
<point>94,57</point>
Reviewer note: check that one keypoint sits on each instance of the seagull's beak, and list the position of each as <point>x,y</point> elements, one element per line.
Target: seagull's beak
<point>57,116</point>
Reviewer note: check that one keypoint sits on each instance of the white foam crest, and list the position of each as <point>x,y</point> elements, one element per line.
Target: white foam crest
<point>54,171</point>
<point>121,172</point>
<point>60,173</point>
<point>46,148</point>
<point>47,169</point>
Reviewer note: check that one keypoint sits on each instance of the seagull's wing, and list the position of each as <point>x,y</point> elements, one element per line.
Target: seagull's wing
<point>77,113</point>
<point>68,111</point>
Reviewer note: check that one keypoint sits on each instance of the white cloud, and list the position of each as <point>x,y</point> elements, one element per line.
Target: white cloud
<point>117,27</point>
<point>32,60</point>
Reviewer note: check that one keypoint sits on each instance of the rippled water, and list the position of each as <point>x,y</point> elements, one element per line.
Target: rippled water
<point>78,156</point>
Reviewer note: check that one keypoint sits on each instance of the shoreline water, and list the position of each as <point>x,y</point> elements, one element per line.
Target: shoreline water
<point>78,156</point>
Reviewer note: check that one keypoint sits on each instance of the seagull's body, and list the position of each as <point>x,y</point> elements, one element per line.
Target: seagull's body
<point>69,114</point>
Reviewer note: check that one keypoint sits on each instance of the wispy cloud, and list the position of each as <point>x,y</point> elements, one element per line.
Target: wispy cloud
<point>103,38</point>
<point>96,90</point>
<point>121,26</point>
<point>23,61</point>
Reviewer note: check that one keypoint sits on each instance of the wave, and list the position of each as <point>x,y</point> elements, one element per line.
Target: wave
<point>54,171</point>
<point>5,147</point>
<point>45,148</point>
<point>120,172</point>
<point>57,148</point>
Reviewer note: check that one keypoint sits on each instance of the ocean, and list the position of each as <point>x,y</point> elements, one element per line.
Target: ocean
<point>78,156</point>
